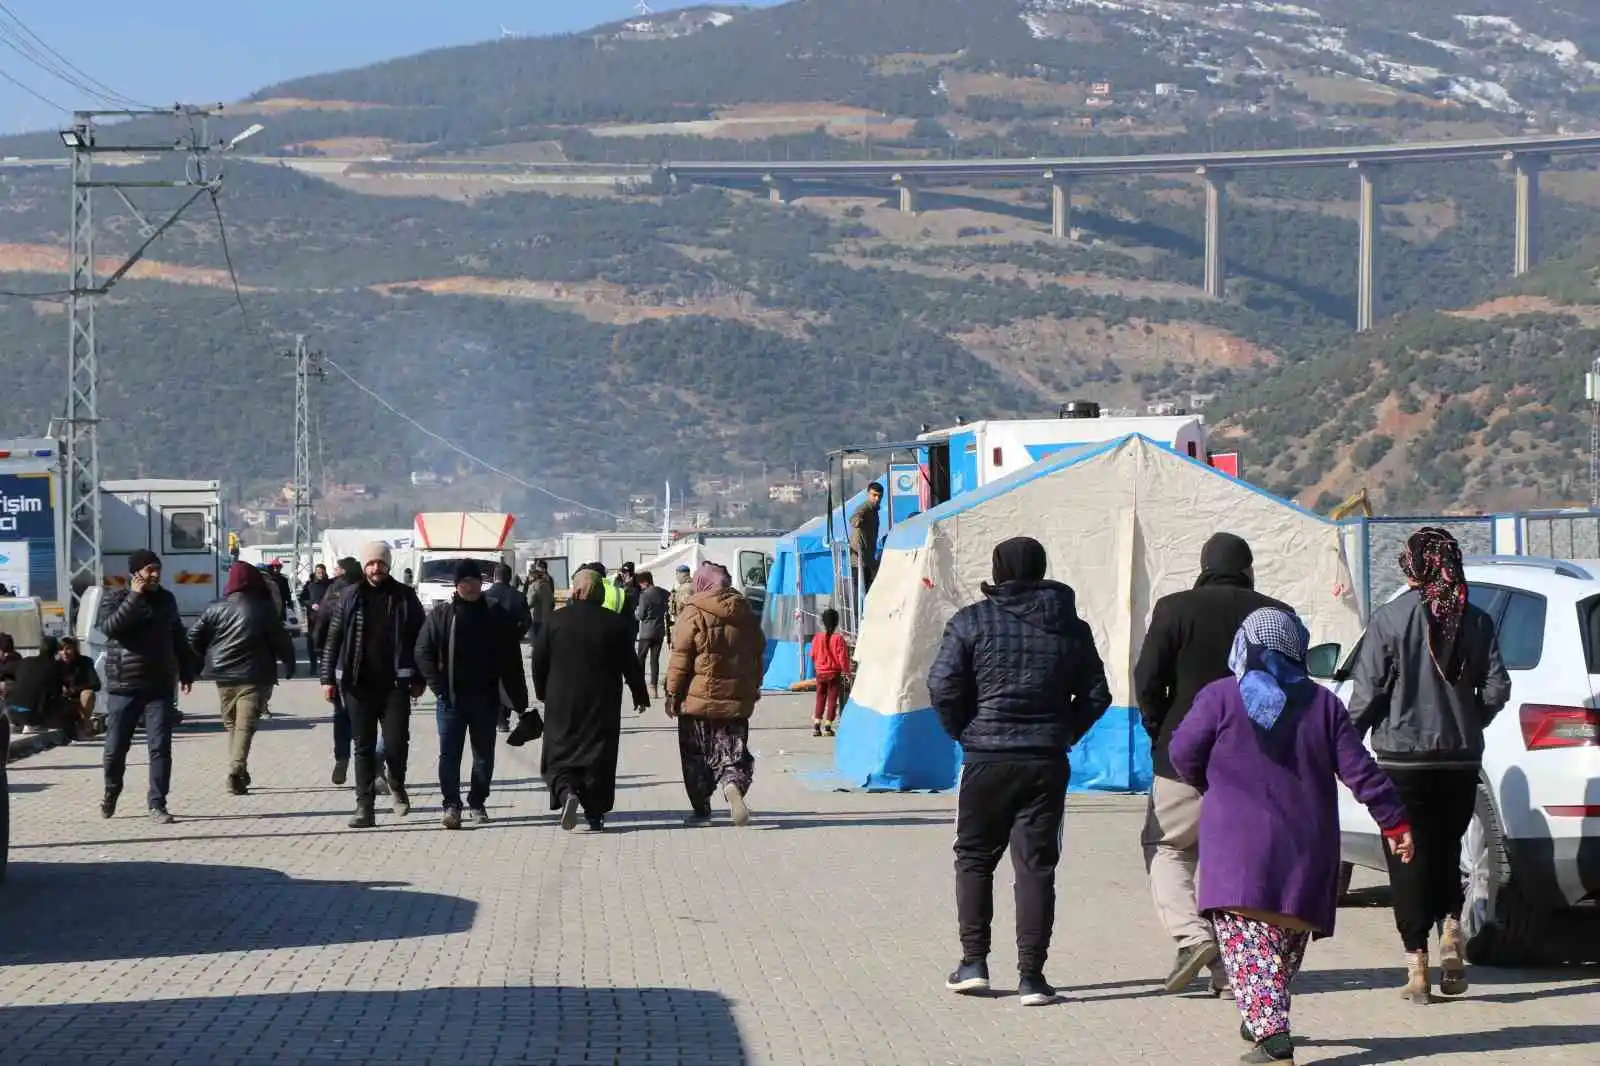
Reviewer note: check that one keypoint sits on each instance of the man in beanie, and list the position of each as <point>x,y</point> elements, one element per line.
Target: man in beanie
<point>470,654</point>
<point>1185,649</point>
<point>147,659</point>
<point>369,661</point>
<point>1017,682</point>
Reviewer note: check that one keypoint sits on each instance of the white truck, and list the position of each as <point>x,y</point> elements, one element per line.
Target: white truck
<point>611,549</point>
<point>444,538</point>
<point>346,544</point>
<point>181,521</point>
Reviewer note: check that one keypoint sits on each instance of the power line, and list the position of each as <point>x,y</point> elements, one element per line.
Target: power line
<point>453,446</point>
<point>41,97</point>
<point>83,80</point>
<point>222,231</point>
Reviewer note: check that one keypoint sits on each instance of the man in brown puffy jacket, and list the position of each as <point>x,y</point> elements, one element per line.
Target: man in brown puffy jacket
<point>713,683</point>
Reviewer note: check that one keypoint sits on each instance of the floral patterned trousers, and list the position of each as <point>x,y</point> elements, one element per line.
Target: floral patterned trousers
<point>1261,959</point>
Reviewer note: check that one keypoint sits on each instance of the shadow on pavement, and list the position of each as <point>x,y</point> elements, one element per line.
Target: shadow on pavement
<point>90,912</point>
<point>482,1026</point>
<point>1375,1050</point>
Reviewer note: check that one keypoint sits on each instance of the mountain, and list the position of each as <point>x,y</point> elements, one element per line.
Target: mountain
<point>461,232</point>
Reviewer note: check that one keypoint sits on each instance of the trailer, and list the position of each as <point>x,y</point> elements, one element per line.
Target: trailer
<point>181,521</point>
<point>611,549</point>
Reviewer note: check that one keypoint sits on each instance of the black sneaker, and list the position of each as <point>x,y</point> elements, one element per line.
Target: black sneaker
<point>816,730</point>
<point>597,825</point>
<point>1035,991</point>
<point>237,786</point>
<point>569,814</point>
<point>969,979</point>
<point>452,818</point>
<point>160,816</point>
<point>827,731</point>
<point>1276,1048</point>
<point>108,803</point>
<point>363,819</point>
<point>477,816</point>
<point>1190,961</point>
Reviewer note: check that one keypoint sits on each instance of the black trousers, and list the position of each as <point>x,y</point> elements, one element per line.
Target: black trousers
<point>650,649</point>
<point>1017,803</point>
<point>1428,889</point>
<point>370,711</point>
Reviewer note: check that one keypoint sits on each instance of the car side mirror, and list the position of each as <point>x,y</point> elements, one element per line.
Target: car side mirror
<point>1322,662</point>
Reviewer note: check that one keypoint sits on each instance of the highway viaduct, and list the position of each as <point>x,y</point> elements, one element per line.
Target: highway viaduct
<point>1526,156</point>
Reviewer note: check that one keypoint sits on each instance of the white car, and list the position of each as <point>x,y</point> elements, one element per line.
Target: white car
<point>1533,848</point>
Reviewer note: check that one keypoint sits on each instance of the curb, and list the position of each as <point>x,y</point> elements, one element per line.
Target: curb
<point>24,745</point>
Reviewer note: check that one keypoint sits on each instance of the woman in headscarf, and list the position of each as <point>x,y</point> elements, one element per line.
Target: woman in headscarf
<point>581,659</point>
<point>1266,747</point>
<point>1428,681</point>
<point>713,683</point>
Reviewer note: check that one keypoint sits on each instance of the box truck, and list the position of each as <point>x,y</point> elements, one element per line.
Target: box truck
<point>444,538</point>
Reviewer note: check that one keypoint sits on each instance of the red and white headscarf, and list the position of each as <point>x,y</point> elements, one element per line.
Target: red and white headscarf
<point>1431,561</point>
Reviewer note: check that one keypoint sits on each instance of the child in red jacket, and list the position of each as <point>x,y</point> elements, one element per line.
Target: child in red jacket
<point>831,656</point>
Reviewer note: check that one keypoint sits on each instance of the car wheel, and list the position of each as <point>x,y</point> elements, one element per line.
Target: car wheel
<point>1347,871</point>
<point>1501,926</point>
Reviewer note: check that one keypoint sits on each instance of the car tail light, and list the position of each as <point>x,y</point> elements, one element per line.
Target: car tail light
<point>1546,726</point>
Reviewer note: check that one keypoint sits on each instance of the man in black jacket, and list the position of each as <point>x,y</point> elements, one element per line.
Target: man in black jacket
<point>1017,682</point>
<point>311,594</point>
<point>147,659</point>
<point>470,654</point>
<point>241,640</point>
<point>369,662</point>
<point>651,616</point>
<point>515,605</point>
<point>1185,649</point>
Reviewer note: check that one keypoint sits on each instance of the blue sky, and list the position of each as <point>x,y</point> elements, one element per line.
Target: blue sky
<point>163,51</point>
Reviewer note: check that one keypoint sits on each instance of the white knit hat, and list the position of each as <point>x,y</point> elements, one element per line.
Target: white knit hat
<point>376,551</point>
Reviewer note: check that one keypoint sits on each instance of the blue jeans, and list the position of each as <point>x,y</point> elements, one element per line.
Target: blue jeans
<point>343,732</point>
<point>474,717</point>
<point>124,712</point>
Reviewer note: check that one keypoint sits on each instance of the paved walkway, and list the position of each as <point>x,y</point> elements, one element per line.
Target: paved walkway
<point>260,930</point>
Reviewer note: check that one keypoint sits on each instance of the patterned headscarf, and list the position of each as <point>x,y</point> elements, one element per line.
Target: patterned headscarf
<point>1432,562</point>
<point>711,577</point>
<point>586,585</point>
<point>1269,657</point>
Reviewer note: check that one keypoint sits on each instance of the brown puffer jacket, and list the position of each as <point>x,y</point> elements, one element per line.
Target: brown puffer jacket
<point>717,647</point>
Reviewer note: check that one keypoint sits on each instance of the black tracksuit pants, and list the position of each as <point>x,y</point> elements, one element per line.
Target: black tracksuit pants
<point>1018,803</point>
<point>389,710</point>
<point>1439,801</point>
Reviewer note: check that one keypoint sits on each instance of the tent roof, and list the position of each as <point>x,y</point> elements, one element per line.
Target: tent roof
<point>815,532</point>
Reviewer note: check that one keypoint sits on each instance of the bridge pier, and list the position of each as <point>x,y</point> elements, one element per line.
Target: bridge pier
<point>779,190</point>
<point>910,194</point>
<point>1526,169</point>
<point>1060,206</point>
<point>1216,207</point>
<point>1367,268</point>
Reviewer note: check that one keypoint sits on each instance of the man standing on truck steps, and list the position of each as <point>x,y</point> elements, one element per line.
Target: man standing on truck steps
<point>470,654</point>
<point>369,661</point>
<point>147,660</point>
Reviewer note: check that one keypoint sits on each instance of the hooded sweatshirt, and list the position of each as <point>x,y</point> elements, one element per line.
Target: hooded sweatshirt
<point>717,648</point>
<point>1017,675</point>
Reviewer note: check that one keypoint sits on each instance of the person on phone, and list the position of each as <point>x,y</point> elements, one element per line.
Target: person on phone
<point>1266,747</point>
<point>369,662</point>
<point>147,661</point>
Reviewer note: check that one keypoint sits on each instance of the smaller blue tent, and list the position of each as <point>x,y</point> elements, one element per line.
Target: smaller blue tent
<point>799,586</point>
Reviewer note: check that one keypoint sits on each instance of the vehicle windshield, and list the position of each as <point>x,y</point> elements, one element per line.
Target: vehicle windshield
<point>443,571</point>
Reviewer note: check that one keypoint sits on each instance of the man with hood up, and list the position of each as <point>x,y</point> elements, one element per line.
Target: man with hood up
<point>1185,649</point>
<point>1017,682</point>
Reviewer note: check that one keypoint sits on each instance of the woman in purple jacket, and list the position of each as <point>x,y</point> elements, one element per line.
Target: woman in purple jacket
<point>1266,747</point>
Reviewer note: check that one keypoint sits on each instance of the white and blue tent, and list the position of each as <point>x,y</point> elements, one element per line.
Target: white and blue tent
<point>1123,523</point>
<point>799,586</point>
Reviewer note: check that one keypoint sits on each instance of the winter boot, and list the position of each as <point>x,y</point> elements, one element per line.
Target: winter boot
<point>1452,967</point>
<point>1419,988</point>
<point>364,818</point>
<point>108,803</point>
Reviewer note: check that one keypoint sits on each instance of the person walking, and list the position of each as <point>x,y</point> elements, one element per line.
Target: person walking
<point>581,661</point>
<point>311,594</point>
<point>369,661</point>
<point>1267,746</point>
<point>682,593</point>
<point>241,641</point>
<point>651,618</point>
<point>713,683</point>
<point>147,660</point>
<point>1428,680</point>
<point>280,587</point>
<point>830,655</point>
<point>1016,682</point>
<point>864,539</point>
<point>349,576</point>
<point>1185,649</point>
<point>470,655</point>
<point>515,607</point>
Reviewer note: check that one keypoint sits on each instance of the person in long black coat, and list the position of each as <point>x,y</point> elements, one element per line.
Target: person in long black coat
<point>581,659</point>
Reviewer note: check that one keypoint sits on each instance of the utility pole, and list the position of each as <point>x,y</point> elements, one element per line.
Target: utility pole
<point>307,365</point>
<point>81,491</point>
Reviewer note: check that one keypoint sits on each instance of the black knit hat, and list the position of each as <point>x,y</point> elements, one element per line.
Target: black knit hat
<point>468,570</point>
<point>142,558</point>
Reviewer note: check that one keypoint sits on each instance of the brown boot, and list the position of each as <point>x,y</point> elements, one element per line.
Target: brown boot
<point>1419,988</point>
<point>1452,967</point>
